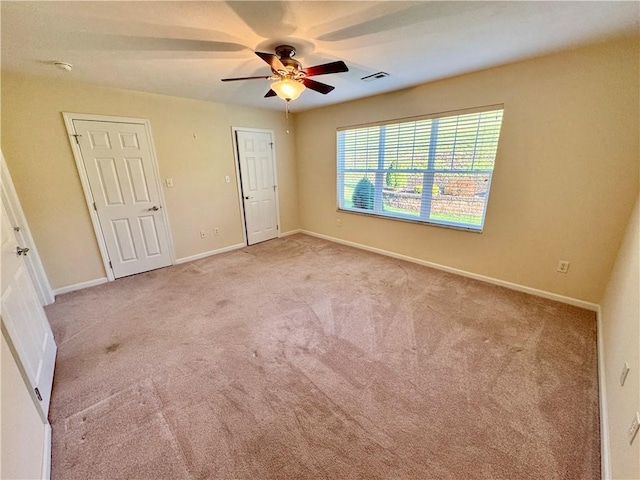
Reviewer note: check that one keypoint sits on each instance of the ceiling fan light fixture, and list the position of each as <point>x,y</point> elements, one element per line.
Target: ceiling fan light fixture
<point>288,89</point>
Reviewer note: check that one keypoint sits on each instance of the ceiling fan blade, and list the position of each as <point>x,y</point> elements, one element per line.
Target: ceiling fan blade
<point>244,78</point>
<point>270,93</point>
<point>273,61</point>
<point>333,67</point>
<point>317,86</point>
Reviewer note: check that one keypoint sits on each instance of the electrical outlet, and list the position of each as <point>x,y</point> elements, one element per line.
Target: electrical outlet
<point>203,234</point>
<point>338,222</point>
<point>625,372</point>
<point>216,231</point>
<point>563,266</point>
<point>633,429</point>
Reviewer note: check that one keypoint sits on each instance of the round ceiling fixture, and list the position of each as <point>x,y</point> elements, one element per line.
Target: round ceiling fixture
<point>63,66</point>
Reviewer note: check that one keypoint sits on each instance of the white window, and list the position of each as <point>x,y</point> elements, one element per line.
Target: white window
<point>434,170</point>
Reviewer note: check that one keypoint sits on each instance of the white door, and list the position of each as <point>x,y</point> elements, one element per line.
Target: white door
<point>119,165</point>
<point>24,237</point>
<point>257,173</point>
<point>24,318</point>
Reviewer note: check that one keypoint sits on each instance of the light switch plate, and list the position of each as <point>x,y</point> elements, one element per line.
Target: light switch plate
<point>625,372</point>
<point>169,182</point>
<point>227,179</point>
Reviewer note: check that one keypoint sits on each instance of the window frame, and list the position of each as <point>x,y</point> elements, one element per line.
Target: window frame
<point>426,195</point>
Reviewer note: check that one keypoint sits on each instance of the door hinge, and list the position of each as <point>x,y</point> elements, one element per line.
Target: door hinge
<point>38,393</point>
<point>16,229</point>
<point>110,266</point>
<point>94,206</point>
<point>277,227</point>
<point>76,135</point>
<point>271,143</point>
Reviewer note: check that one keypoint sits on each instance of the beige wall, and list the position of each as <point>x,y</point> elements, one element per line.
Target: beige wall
<point>566,173</point>
<point>23,432</point>
<point>36,147</point>
<point>621,342</point>
<point>565,180</point>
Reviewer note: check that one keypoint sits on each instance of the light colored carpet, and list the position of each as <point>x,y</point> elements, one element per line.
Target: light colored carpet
<point>301,358</point>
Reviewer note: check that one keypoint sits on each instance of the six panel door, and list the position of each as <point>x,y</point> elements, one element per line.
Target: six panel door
<point>258,185</point>
<point>119,166</point>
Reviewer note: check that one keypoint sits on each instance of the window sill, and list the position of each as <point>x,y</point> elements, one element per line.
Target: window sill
<point>410,220</point>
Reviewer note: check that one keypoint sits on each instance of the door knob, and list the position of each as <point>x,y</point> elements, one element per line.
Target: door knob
<point>22,250</point>
<point>153,209</point>
<point>247,198</point>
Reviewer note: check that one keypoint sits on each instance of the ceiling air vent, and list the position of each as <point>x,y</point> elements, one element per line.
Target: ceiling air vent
<point>375,76</point>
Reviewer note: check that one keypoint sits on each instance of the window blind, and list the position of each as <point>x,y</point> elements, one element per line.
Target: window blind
<point>434,170</point>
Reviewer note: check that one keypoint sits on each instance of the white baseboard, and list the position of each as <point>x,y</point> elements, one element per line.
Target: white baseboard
<point>100,281</point>
<point>495,281</point>
<point>79,286</point>
<point>605,447</point>
<point>209,253</point>
<point>46,453</point>
<point>291,232</point>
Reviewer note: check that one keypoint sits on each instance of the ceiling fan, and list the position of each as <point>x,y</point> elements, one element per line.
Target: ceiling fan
<point>290,79</point>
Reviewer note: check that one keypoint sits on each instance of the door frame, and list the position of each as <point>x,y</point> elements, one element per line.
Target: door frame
<point>84,179</point>
<point>18,218</point>
<point>236,156</point>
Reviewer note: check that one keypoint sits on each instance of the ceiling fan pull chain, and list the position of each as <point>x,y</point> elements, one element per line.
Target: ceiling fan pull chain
<point>287,114</point>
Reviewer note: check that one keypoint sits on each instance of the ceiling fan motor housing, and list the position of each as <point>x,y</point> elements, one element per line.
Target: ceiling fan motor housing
<point>285,53</point>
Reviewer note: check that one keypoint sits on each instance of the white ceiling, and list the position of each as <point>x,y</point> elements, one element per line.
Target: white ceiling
<point>185,48</point>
